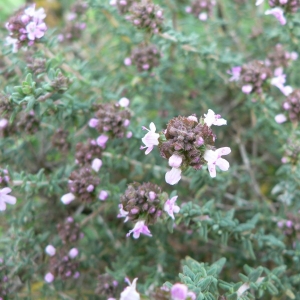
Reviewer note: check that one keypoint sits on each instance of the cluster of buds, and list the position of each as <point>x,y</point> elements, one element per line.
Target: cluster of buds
<point>89,153</point>
<point>201,9</point>
<point>69,231</point>
<point>144,204</point>
<point>279,57</point>
<point>112,119</point>
<point>62,264</point>
<point>122,5</point>
<point>26,27</point>
<point>144,57</point>
<point>26,122</point>
<point>60,83</point>
<point>188,142</point>
<point>60,140</point>
<point>292,151</point>
<point>292,105</point>
<point>291,226</point>
<point>107,286</point>
<point>251,76</point>
<point>36,65</point>
<point>146,15</point>
<point>75,24</point>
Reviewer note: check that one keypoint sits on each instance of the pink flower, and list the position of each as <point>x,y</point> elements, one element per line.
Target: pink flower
<point>49,277</point>
<point>180,291</point>
<point>279,81</point>
<point>277,12</point>
<point>103,195</point>
<point>175,161</point>
<point>247,89</point>
<point>235,73</point>
<point>93,122</point>
<point>127,61</point>
<point>212,119</point>
<point>38,15</point>
<point>193,118</point>
<point>73,253</point>
<point>96,164</point>
<point>50,250</point>
<point>124,102</point>
<point>3,123</point>
<point>150,139</point>
<point>35,31</point>
<point>173,176</point>
<point>214,159</point>
<point>102,140</point>
<point>281,118</point>
<point>123,213</point>
<point>138,229</point>
<point>203,16</point>
<point>67,198</point>
<point>130,292</point>
<point>5,198</point>
<point>170,207</point>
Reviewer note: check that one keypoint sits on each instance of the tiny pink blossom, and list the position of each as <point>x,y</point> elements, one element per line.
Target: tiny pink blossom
<point>113,2</point>
<point>73,253</point>
<point>175,161</point>
<point>129,134</point>
<point>150,139</point>
<point>96,164</point>
<point>90,188</point>
<point>123,213</point>
<point>235,73</point>
<point>179,291</point>
<point>170,207</point>
<point>126,123</point>
<point>124,102</point>
<point>50,250</point>
<point>102,140</point>
<point>294,55</point>
<point>277,12</point>
<point>214,159</point>
<point>67,198</point>
<point>130,292</point>
<point>3,123</point>
<point>173,176</point>
<point>259,2</point>
<point>284,160</point>
<point>5,198</point>
<point>152,195</point>
<point>188,9</point>
<point>103,195</point>
<point>127,61</point>
<point>93,122</point>
<point>49,277</point>
<point>280,118</point>
<point>193,118</point>
<point>247,89</point>
<point>289,223</point>
<point>212,119</point>
<point>35,31</point>
<point>203,16</point>
<point>138,229</point>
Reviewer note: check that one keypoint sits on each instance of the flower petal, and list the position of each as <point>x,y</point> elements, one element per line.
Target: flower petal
<point>223,164</point>
<point>212,170</point>
<point>173,176</point>
<point>210,156</point>
<point>9,199</point>
<point>223,151</point>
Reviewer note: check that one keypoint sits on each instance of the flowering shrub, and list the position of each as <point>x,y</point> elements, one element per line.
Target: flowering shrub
<point>150,150</point>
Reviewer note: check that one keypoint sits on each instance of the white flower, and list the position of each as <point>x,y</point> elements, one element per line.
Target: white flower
<point>130,292</point>
<point>150,139</point>
<point>50,250</point>
<point>259,2</point>
<point>170,207</point>
<point>212,119</point>
<point>5,198</point>
<point>173,176</point>
<point>214,159</point>
<point>67,198</point>
<point>96,164</point>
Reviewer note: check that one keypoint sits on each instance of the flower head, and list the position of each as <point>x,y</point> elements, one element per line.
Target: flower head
<point>138,229</point>
<point>212,119</point>
<point>214,159</point>
<point>170,207</point>
<point>130,292</point>
<point>5,198</point>
<point>150,139</point>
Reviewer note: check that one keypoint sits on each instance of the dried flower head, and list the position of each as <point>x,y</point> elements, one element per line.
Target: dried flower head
<point>69,231</point>
<point>83,183</point>
<point>60,140</point>
<point>146,15</point>
<point>124,6</point>
<point>36,65</point>
<point>292,105</point>
<point>27,122</point>
<point>202,9</point>
<point>145,58</point>
<point>279,57</point>
<point>107,286</point>
<point>143,201</point>
<point>87,152</point>
<point>253,76</point>
<point>112,119</point>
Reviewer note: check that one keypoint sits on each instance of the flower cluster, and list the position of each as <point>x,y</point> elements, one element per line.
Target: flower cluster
<point>26,27</point>
<point>291,226</point>
<point>69,231</point>
<point>201,9</point>
<point>144,204</point>
<point>74,24</point>
<point>146,15</point>
<point>251,76</point>
<point>60,141</point>
<point>113,120</point>
<point>279,57</point>
<point>89,154</point>
<point>144,57</point>
<point>279,7</point>
<point>188,142</point>
<point>292,105</point>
